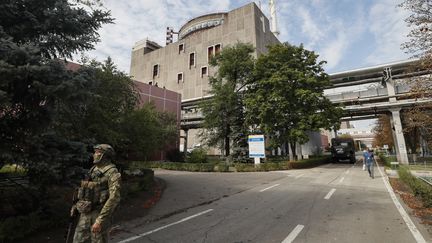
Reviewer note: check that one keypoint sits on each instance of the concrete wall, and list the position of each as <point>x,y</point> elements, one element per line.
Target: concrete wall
<point>243,24</point>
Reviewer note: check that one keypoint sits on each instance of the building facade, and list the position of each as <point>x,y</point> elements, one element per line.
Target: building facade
<point>183,66</point>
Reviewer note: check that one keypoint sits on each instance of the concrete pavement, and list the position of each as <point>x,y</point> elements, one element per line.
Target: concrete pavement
<point>331,203</point>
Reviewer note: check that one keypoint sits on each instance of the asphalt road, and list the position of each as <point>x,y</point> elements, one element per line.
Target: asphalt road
<point>331,203</point>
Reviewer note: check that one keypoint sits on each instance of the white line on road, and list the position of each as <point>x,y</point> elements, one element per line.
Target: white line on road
<point>299,176</point>
<point>347,172</point>
<point>414,231</point>
<point>164,227</point>
<point>330,194</point>
<point>341,179</point>
<point>290,238</point>
<point>265,189</point>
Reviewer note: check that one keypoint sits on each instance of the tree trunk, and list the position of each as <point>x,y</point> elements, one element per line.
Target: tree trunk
<point>286,149</point>
<point>293,151</point>
<point>227,141</point>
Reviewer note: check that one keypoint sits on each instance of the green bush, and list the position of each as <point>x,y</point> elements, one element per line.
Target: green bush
<point>309,163</point>
<point>138,180</point>
<point>420,188</point>
<point>198,155</point>
<point>248,167</point>
<point>245,167</point>
<point>195,167</point>
<point>385,159</point>
<point>222,167</point>
<point>240,167</point>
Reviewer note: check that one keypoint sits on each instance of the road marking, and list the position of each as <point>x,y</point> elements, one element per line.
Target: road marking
<point>414,231</point>
<point>299,176</point>
<point>341,179</point>
<point>347,172</point>
<point>265,189</point>
<point>330,194</point>
<point>164,227</point>
<point>291,237</point>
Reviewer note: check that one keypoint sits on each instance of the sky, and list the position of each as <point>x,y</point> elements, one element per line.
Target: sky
<point>348,34</point>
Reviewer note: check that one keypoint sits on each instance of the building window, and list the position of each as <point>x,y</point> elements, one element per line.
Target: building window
<point>156,70</point>
<point>217,49</point>
<point>179,77</point>
<point>192,59</point>
<point>213,51</point>
<point>204,71</point>
<point>181,48</point>
<point>209,53</point>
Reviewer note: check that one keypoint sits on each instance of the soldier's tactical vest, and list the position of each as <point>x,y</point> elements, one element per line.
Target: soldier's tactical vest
<point>94,192</point>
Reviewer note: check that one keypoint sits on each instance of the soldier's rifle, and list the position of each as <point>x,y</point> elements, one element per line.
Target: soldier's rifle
<point>72,216</point>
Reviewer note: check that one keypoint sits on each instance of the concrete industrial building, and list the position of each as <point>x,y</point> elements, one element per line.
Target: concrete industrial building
<point>183,66</point>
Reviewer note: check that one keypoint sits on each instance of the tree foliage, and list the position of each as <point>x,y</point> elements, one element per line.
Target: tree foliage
<point>286,100</point>
<point>417,119</point>
<point>35,86</point>
<point>383,133</point>
<point>50,116</point>
<point>224,112</point>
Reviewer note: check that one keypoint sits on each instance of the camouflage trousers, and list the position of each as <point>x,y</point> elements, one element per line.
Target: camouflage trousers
<point>83,232</point>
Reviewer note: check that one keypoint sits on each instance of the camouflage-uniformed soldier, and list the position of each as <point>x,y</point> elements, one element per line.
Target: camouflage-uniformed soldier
<point>98,196</point>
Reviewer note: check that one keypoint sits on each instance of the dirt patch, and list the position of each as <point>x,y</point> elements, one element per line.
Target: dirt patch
<point>424,213</point>
<point>133,207</point>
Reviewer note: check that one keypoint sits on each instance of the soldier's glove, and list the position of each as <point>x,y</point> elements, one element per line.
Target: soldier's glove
<point>73,211</point>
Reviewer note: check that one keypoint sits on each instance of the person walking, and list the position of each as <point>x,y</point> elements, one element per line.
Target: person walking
<point>369,161</point>
<point>98,196</point>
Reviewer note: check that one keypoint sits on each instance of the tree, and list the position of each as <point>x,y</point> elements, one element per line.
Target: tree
<point>286,100</point>
<point>147,131</point>
<point>35,85</point>
<point>417,123</point>
<point>383,132</point>
<point>224,113</point>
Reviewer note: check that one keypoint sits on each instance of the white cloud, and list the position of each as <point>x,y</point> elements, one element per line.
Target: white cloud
<point>320,25</point>
<point>138,19</point>
<point>310,27</point>
<point>334,50</point>
<point>387,25</point>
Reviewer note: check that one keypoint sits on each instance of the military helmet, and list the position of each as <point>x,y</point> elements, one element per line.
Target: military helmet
<point>107,151</point>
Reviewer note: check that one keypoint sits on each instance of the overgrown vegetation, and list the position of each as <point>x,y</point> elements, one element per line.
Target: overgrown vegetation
<point>220,166</point>
<point>418,187</point>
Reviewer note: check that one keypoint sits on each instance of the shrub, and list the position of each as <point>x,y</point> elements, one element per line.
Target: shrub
<point>309,163</point>
<point>222,167</point>
<point>137,180</point>
<point>385,159</point>
<point>419,187</point>
<point>203,167</point>
<point>249,167</point>
<point>198,155</point>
